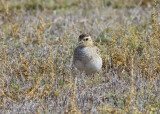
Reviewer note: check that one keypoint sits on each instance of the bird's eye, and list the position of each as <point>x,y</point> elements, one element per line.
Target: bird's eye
<point>86,39</point>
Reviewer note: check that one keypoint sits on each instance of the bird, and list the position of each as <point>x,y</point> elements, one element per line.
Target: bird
<point>87,56</point>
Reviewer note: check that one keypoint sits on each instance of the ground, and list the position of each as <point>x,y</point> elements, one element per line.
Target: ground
<point>37,39</point>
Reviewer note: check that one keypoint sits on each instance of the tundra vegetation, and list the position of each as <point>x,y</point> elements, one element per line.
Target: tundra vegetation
<point>37,38</point>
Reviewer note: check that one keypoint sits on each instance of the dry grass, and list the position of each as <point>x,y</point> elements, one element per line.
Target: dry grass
<point>36,45</point>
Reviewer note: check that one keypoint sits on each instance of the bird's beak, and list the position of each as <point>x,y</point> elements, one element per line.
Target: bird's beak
<point>80,42</point>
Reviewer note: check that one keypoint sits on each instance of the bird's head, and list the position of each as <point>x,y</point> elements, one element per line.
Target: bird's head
<point>85,40</point>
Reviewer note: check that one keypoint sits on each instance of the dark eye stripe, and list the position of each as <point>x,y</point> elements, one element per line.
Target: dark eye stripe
<point>86,39</point>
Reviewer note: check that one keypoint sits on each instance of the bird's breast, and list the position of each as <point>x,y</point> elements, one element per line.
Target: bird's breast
<point>94,65</point>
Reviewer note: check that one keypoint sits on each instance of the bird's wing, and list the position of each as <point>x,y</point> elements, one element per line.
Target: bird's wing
<point>77,54</point>
<point>82,55</point>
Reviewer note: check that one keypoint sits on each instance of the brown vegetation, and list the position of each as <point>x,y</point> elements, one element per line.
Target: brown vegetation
<point>36,45</point>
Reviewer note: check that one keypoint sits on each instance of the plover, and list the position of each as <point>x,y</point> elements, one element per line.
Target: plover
<point>87,56</point>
